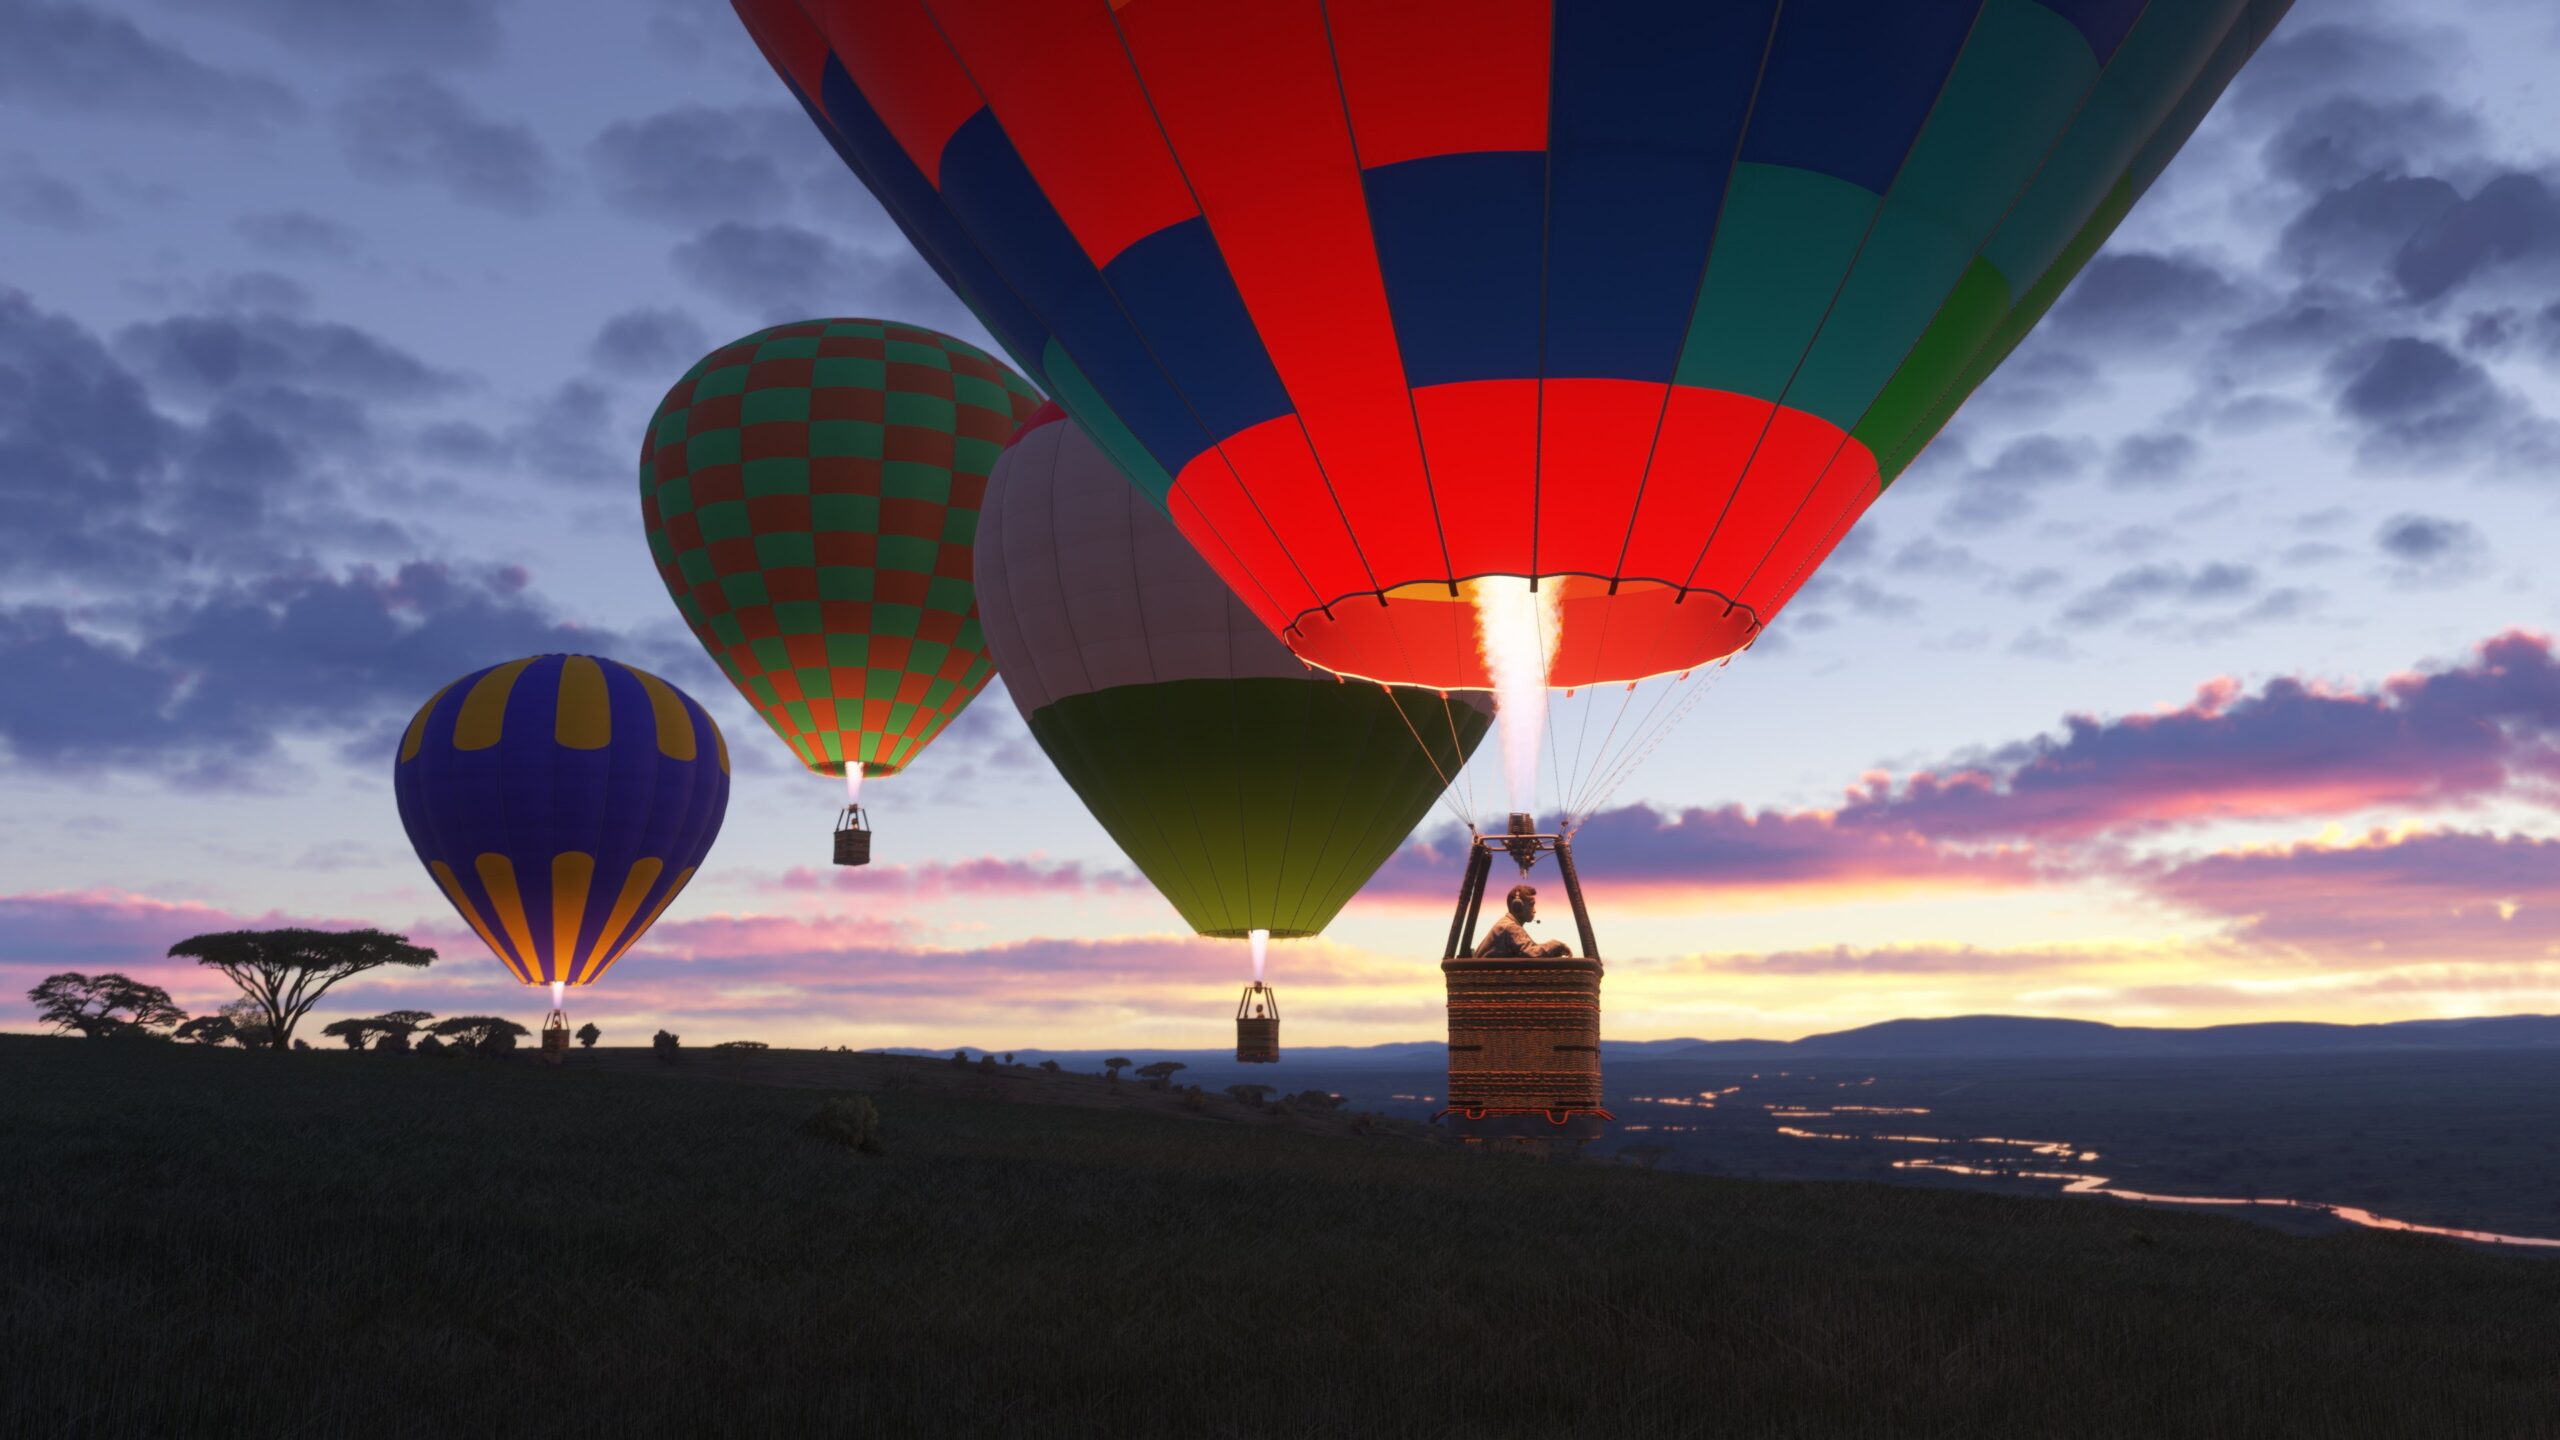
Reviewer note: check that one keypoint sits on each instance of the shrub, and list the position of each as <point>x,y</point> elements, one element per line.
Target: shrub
<point>304,1044</point>
<point>588,1035</point>
<point>1049,1065</point>
<point>1194,1099</point>
<point>741,1045</point>
<point>986,1064</point>
<point>851,1121</point>
<point>1316,1100</point>
<point>959,1059</point>
<point>666,1046</point>
<point>431,1045</point>
<point>1249,1094</point>
<point>395,1042</point>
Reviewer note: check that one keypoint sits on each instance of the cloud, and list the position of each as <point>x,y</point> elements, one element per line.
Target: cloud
<point>2448,737</point>
<point>1895,960</point>
<point>213,685</point>
<point>695,164</point>
<point>33,195</point>
<point>413,127</point>
<point>784,272</point>
<point>444,32</point>
<point>2429,896</point>
<point>199,357</point>
<point>2512,221</point>
<point>2154,458</point>
<point>1732,854</point>
<point>2128,591</point>
<point>2357,228</point>
<point>982,875</point>
<point>2426,550</point>
<point>2412,402</point>
<point>2350,138</point>
<point>298,235</point>
<point>66,57</point>
<point>651,342</point>
<point>2004,488</point>
<point>2137,300</point>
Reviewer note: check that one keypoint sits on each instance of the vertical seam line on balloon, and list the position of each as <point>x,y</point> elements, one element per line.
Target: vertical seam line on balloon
<point>1698,292</point>
<point>1058,339</point>
<point>1875,218</point>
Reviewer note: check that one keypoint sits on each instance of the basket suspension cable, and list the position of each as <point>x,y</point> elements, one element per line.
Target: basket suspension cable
<point>1629,764</point>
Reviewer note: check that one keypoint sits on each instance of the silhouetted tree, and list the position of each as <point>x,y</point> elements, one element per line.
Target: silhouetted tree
<point>1112,1067</point>
<point>1008,1057</point>
<point>430,1045</point>
<point>666,1046</point>
<point>987,1064</point>
<point>285,972</point>
<point>1249,1094</point>
<point>395,1043</point>
<point>302,1045</point>
<point>1049,1065</point>
<point>482,1034</point>
<point>959,1059</point>
<point>588,1035</point>
<point>741,1045</point>
<point>1161,1072</point>
<point>207,1029</point>
<point>102,1004</point>
<point>1316,1100</point>
<point>848,1120</point>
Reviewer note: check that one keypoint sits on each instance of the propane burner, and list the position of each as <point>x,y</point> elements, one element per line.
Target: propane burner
<point>1523,841</point>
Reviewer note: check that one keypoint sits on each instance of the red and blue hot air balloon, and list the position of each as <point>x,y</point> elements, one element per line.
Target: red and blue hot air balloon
<point>561,802</point>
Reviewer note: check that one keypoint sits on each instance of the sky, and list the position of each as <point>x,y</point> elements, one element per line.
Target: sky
<point>2202,671</point>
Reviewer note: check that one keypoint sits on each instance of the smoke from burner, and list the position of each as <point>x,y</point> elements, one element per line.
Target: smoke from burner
<point>1516,632</point>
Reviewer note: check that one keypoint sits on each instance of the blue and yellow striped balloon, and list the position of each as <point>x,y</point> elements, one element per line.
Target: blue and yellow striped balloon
<point>561,802</point>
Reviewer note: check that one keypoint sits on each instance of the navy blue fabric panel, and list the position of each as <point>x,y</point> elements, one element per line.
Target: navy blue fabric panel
<point>1646,102</point>
<point>987,186</point>
<point>2103,23</point>
<point>1176,289</point>
<point>1459,240</point>
<point>873,154</point>
<point>1850,82</point>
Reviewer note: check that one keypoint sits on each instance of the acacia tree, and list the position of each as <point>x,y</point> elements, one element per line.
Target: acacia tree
<point>486,1034</point>
<point>1112,1067</point>
<point>106,1004</point>
<point>283,973</point>
<point>207,1029</point>
<point>1160,1072</point>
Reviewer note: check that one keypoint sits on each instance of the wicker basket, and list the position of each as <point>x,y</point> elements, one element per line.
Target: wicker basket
<point>1258,1026</point>
<point>1524,1038</point>
<point>853,837</point>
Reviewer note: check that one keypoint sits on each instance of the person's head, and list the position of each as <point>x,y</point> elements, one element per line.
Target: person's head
<point>1523,903</point>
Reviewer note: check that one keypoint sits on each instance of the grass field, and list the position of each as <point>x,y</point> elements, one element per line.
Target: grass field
<point>225,1243</point>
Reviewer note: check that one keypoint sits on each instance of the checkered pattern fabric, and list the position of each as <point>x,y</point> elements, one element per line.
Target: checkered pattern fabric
<point>811,494</point>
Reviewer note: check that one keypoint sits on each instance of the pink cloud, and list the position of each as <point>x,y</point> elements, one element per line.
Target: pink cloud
<point>2436,895</point>
<point>981,875</point>
<point>2293,748</point>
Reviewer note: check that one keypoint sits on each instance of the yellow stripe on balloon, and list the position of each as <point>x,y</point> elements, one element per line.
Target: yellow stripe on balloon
<point>484,710</point>
<point>635,888</point>
<point>585,718</point>
<point>498,877</point>
<point>682,876</point>
<point>571,870</point>
<point>471,913</point>
<point>675,727</point>
<point>417,735</point>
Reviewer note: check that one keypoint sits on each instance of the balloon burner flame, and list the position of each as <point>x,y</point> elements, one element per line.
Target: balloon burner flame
<point>1261,948</point>
<point>853,782</point>
<point>559,994</point>
<point>1517,624</point>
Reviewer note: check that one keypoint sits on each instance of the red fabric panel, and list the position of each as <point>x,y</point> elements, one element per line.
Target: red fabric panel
<point>1061,86</point>
<point>791,44</point>
<point>1262,493</point>
<point>1482,437</point>
<point>1247,94</point>
<point>1706,442</point>
<point>901,64</point>
<point>1847,489</point>
<point>1789,460</point>
<point>1593,439</point>
<point>1443,77</point>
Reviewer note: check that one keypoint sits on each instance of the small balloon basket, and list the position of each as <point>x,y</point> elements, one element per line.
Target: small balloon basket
<point>1258,1026</point>
<point>1524,1033</point>
<point>853,837</point>
<point>555,1038</point>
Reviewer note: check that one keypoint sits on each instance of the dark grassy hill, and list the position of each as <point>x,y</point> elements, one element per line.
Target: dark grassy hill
<point>221,1243</point>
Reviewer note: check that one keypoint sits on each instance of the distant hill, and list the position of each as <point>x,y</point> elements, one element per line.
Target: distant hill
<point>2023,1037</point>
<point>1955,1037</point>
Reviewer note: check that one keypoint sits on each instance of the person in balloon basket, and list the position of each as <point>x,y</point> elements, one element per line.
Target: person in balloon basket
<point>1509,937</point>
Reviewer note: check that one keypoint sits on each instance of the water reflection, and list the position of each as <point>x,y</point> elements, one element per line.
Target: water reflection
<point>1982,1156</point>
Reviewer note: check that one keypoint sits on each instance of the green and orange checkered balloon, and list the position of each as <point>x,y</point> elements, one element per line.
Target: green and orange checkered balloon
<point>811,494</point>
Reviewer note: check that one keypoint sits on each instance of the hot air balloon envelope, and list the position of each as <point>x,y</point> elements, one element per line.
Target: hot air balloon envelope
<point>561,802</point>
<point>1646,298</point>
